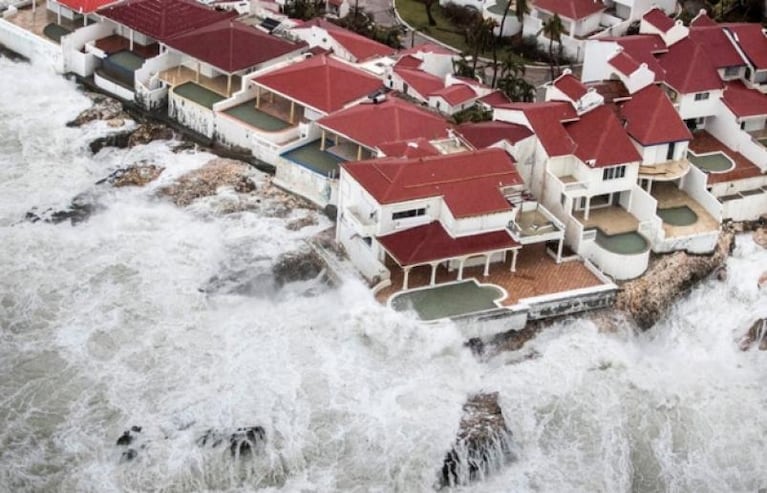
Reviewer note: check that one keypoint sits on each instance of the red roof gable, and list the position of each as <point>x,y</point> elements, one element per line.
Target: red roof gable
<point>359,46</point>
<point>232,46</point>
<point>701,20</point>
<point>601,140</point>
<point>163,19</point>
<point>412,148</point>
<point>571,9</point>
<point>469,182</point>
<point>624,63</point>
<point>751,39</point>
<point>546,120</point>
<point>651,118</point>
<point>485,134</point>
<point>423,82</point>
<point>392,120</point>
<point>321,82</point>
<point>643,48</point>
<point>455,94</point>
<point>495,98</point>
<point>571,86</point>
<point>720,49</point>
<point>689,68</point>
<point>430,243</point>
<point>744,102</point>
<point>658,19</point>
<point>86,6</point>
<point>409,61</point>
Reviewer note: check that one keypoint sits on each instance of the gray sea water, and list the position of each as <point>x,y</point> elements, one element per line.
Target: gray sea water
<point>104,325</point>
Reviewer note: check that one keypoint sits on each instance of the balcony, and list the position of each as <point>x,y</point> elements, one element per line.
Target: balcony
<point>534,224</point>
<point>364,224</point>
<point>668,171</point>
<point>571,184</point>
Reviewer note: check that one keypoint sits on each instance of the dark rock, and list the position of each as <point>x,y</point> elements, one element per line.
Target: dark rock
<point>757,334</point>
<point>118,139</point>
<point>760,237</point>
<point>148,132</point>
<point>104,108</point>
<point>128,455</point>
<point>137,175</point>
<point>247,440</point>
<point>331,211</point>
<point>206,181</point>
<point>125,439</point>
<point>135,429</point>
<point>483,445</point>
<point>721,273</point>
<point>79,210</point>
<point>297,266</point>
<point>301,223</point>
<point>762,282</point>
<point>476,345</point>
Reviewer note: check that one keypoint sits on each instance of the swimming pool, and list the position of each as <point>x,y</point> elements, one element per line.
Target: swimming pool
<point>678,216</point>
<point>624,243</point>
<point>448,300</point>
<point>711,162</point>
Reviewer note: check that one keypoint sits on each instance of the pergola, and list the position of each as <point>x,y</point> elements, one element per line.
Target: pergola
<point>431,245</point>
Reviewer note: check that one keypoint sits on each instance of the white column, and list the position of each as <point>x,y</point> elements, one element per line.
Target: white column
<point>228,84</point>
<point>460,268</point>
<point>487,264</point>
<point>559,250</point>
<point>433,274</point>
<point>405,279</point>
<point>514,259</point>
<point>130,39</point>
<point>58,13</point>
<point>588,207</point>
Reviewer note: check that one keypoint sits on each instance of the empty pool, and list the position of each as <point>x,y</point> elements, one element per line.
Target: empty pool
<point>678,216</point>
<point>624,243</point>
<point>448,300</point>
<point>712,162</point>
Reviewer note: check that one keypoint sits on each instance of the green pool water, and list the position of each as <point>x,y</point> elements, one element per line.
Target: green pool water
<point>678,216</point>
<point>198,94</point>
<point>312,157</point>
<point>623,243</point>
<point>448,301</point>
<point>248,113</point>
<point>716,162</point>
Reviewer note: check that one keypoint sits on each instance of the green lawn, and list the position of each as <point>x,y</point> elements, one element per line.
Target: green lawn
<point>414,13</point>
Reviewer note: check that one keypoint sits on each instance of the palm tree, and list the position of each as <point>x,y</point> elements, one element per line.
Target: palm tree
<point>428,5</point>
<point>479,37</point>
<point>512,82</point>
<point>553,29</point>
<point>520,9</point>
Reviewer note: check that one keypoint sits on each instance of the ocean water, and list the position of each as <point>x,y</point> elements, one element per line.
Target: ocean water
<point>109,324</point>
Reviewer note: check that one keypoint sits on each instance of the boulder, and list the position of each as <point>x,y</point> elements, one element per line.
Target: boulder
<point>297,266</point>
<point>205,181</point>
<point>148,132</point>
<point>760,237</point>
<point>483,445</point>
<point>104,108</point>
<point>79,210</point>
<point>136,175</point>
<point>648,297</point>
<point>242,442</point>
<point>757,334</point>
<point>118,139</point>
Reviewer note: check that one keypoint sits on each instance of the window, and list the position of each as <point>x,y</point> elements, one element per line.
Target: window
<point>367,240</point>
<point>408,213</point>
<point>701,96</point>
<point>613,173</point>
<point>742,125</point>
<point>730,71</point>
<point>563,199</point>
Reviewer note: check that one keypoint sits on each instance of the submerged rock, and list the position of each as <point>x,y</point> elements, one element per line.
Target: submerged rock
<point>762,282</point>
<point>125,439</point>
<point>136,175</point>
<point>760,237</point>
<point>483,445</point>
<point>647,298</point>
<point>301,222</point>
<point>757,334</point>
<point>79,210</point>
<point>205,181</point>
<point>128,455</point>
<point>302,265</point>
<point>242,442</point>
<point>104,108</point>
<point>118,139</point>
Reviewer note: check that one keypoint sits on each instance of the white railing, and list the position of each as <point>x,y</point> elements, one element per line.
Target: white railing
<point>620,266</point>
<point>361,222</point>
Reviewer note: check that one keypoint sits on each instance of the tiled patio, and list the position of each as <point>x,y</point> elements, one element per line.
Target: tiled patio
<point>180,75</point>
<point>36,21</point>
<point>611,220</point>
<point>537,274</point>
<point>705,142</point>
<point>668,196</point>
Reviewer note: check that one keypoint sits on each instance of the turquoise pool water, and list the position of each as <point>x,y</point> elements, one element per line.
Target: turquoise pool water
<point>448,301</point>
<point>716,162</point>
<point>678,216</point>
<point>623,243</point>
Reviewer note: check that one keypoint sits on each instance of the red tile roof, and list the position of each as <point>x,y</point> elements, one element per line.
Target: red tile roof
<point>643,48</point>
<point>412,148</point>
<point>392,120</point>
<point>657,18</point>
<point>359,46</point>
<point>720,49</point>
<point>571,9</point>
<point>744,102</point>
<point>546,121</point>
<point>422,82</point>
<point>571,86</point>
<point>601,140</point>
<point>689,68</point>
<point>624,63</point>
<point>455,94</point>
<point>85,6</point>
<point>409,61</point>
<point>430,243</point>
<point>232,46</point>
<point>651,118</point>
<point>163,19</point>
<point>468,182</point>
<point>485,134</point>
<point>701,20</point>
<point>321,82</point>
<point>752,41</point>
<point>495,98</point>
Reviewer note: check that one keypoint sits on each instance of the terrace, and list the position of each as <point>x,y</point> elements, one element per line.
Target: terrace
<point>668,171</point>
<point>536,274</point>
<point>678,221</point>
<point>703,143</point>
<point>611,220</point>
<point>181,75</point>
<point>312,157</point>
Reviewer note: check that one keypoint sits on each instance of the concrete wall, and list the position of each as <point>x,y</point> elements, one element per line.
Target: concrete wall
<point>688,107</point>
<point>112,88</point>
<point>657,154</point>
<point>302,181</point>
<point>31,46</point>
<point>77,58</point>
<point>190,114</point>
<point>726,128</point>
<point>746,207</point>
